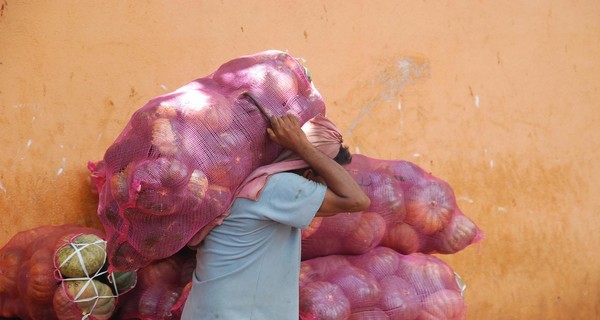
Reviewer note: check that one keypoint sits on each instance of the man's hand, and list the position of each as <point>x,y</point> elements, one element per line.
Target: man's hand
<point>343,193</point>
<point>286,131</point>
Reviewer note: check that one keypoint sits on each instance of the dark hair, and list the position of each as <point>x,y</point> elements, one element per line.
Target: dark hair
<point>343,156</point>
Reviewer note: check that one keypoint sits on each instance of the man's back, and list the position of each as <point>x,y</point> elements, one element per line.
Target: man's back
<point>247,268</point>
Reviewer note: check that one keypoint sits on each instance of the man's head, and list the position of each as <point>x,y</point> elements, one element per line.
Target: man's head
<point>325,136</point>
<point>322,133</point>
<point>343,157</point>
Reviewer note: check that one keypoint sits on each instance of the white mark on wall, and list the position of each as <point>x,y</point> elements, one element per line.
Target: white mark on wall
<point>464,198</point>
<point>99,136</point>
<point>34,106</point>
<point>357,150</point>
<point>61,170</point>
<point>393,80</point>
<point>476,102</point>
<point>416,155</point>
<point>399,107</point>
<point>2,187</point>
<point>502,209</point>
<point>32,120</point>
<point>492,163</point>
<point>162,86</point>
<point>28,145</point>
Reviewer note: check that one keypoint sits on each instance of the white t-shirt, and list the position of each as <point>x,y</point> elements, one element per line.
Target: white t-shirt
<point>248,267</point>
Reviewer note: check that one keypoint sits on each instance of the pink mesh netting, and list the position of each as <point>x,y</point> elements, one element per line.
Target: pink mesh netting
<point>162,289</point>
<point>411,211</point>
<point>175,165</point>
<point>381,284</point>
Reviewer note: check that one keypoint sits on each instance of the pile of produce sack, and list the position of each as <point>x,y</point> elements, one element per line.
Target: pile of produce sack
<point>59,272</point>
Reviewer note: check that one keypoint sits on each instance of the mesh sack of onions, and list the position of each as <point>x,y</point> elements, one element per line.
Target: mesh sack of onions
<point>57,272</point>
<point>173,168</point>
<point>381,284</point>
<point>162,289</point>
<point>411,211</point>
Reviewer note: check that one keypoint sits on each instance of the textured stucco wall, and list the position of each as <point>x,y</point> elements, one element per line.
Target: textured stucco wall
<point>500,99</point>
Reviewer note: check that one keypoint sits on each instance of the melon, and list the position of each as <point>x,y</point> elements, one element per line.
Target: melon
<point>81,257</point>
<point>81,299</point>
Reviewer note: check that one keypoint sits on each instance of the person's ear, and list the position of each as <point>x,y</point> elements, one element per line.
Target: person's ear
<point>308,174</point>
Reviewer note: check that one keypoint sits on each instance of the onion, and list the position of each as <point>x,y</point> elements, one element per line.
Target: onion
<point>387,198</point>
<point>324,267</point>
<point>399,298</point>
<point>379,262</point>
<point>427,273</point>
<point>164,137</point>
<point>402,238</point>
<point>323,301</point>
<point>341,224</point>
<point>429,206</point>
<point>156,185</point>
<point>211,110</point>
<point>459,233</point>
<point>165,110</point>
<point>197,186</point>
<point>360,287</point>
<point>371,314</point>
<point>367,235</point>
<point>403,170</point>
<point>307,274</point>
<point>156,301</point>
<point>118,186</point>
<point>158,272</point>
<point>443,304</point>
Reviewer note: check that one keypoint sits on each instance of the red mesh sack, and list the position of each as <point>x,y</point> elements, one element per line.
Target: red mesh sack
<point>411,211</point>
<point>162,289</point>
<point>33,269</point>
<point>381,284</point>
<point>173,168</point>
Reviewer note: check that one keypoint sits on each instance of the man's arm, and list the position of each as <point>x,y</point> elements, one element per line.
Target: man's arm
<point>343,193</point>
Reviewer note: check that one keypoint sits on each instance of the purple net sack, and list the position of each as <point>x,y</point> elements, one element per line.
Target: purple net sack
<point>381,284</point>
<point>173,168</point>
<point>162,289</point>
<point>411,211</point>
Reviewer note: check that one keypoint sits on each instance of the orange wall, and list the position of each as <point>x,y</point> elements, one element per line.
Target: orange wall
<point>500,99</point>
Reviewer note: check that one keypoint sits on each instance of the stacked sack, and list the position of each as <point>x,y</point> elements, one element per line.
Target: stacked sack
<point>172,170</point>
<point>162,289</point>
<point>381,284</point>
<point>59,272</point>
<point>411,211</point>
<point>378,263</point>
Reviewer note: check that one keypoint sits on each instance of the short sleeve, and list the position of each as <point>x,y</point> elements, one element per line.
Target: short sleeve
<point>293,200</point>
